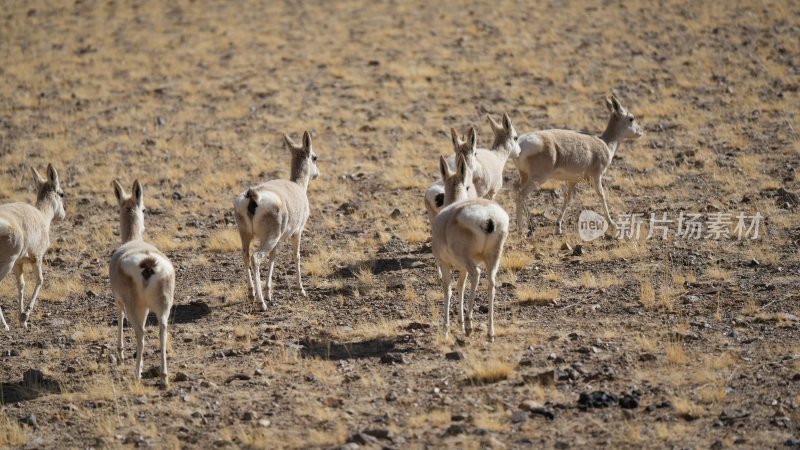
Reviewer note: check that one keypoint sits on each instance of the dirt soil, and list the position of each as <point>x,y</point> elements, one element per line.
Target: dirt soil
<point>622,343</point>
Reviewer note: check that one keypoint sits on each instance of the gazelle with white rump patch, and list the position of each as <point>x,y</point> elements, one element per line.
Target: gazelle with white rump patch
<point>272,211</point>
<point>572,157</point>
<point>466,233</point>
<point>142,278</point>
<point>25,236</point>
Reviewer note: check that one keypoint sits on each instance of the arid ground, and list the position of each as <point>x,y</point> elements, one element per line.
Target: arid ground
<point>676,343</point>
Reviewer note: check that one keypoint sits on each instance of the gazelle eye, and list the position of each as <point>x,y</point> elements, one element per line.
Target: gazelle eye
<point>630,119</point>
<point>314,158</point>
<point>61,194</point>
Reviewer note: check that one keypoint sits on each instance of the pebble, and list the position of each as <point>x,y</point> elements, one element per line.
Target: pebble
<point>454,356</point>
<point>393,358</point>
<point>455,429</point>
<point>30,421</point>
<point>248,416</point>
<point>391,396</point>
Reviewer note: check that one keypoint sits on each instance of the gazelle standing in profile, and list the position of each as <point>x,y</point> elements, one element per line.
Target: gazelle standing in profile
<point>466,233</point>
<point>571,157</point>
<point>25,236</point>
<point>142,278</point>
<point>272,211</point>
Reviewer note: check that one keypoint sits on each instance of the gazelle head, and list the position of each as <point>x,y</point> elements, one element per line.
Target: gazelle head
<point>467,147</point>
<point>304,160</point>
<point>48,191</point>
<point>505,136</point>
<point>622,123</point>
<point>131,211</point>
<point>456,184</point>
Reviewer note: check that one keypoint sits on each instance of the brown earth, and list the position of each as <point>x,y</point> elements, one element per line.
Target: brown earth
<point>192,97</point>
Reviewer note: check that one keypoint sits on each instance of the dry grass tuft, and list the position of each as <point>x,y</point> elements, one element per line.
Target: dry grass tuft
<point>529,295</point>
<point>489,370</point>
<point>675,352</point>
<point>12,434</point>
<point>687,409</point>
<point>515,260</point>
<point>223,241</point>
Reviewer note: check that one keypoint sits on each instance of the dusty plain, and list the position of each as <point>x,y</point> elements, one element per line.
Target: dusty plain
<point>192,98</point>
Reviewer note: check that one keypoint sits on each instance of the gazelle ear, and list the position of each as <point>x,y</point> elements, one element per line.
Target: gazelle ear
<point>615,103</point>
<point>52,175</point>
<point>507,122</point>
<point>609,105</point>
<point>119,192</point>
<point>495,126</point>
<point>289,142</point>
<point>444,169</point>
<point>306,141</point>
<point>455,139</point>
<point>472,139</point>
<point>37,178</point>
<point>461,166</point>
<point>138,193</point>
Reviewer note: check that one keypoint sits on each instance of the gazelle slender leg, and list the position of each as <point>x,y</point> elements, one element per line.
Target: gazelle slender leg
<point>137,320</point>
<point>20,287</point>
<point>39,280</point>
<point>162,335</point>
<point>522,210</point>
<point>4,270</point>
<point>598,187</point>
<point>462,283</point>
<point>271,257</point>
<point>296,251</point>
<point>248,265</point>
<point>569,187</point>
<point>492,282</point>
<point>255,261</point>
<point>120,323</point>
<point>447,281</point>
<point>475,274</point>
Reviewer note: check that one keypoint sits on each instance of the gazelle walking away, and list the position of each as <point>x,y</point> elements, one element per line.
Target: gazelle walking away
<point>273,211</point>
<point>486,165</point>
<point>467,232</point>
<point>25,236</point>
<point>572,157</point>
<point>142,278</point>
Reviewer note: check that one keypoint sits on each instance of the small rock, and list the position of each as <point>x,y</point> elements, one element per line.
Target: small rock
<point>71,369</point>
<point>30,421</point>
<point>792,442</point>
<point>393,358</point>
<point>628,414</point>
<point>362,439</point>
<point>459,417</point>
<point>391,396</point>
<point>546,378</point>
<point>455,429</point>
<point>454,356</point>
<point>264,423</point>
<point>177,196</point>
<point>333,402</point>
<point>519,416</point>
<point>544,412</point>
<point>140,400</point>
<point>754,263</point>
<point>647,357</point>
<point>691,299</point>
<point>528,405</point>
<point>237,376</point>
<point>395,213</point>
<point>248,416</point>
<point>597,399</point>
<point>628,402</point>
<point>350,446</point>
<point>566,246</point>
<point>380,433</point>
<point>578,250</point>
<point>180,377</point>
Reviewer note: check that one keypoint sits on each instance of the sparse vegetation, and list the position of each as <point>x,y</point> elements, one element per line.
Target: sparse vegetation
<point>193,98</point>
